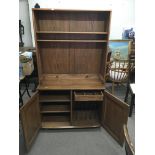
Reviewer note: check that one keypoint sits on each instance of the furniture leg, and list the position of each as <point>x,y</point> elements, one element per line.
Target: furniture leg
<point>20,96</point>
<point>35,86</point>
<point>112,87</point>
<point>127,93</point>
<point>132,104</point>
<point>26,85</point>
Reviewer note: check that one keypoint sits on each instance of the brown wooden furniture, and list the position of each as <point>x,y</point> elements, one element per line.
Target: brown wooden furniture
<point>108,64</point>
<point>131,89</point>
<point>120,71</point>
<point>129,148</point>
<point>71,55</point>
<point>132,60</point>
<point>131,83</point>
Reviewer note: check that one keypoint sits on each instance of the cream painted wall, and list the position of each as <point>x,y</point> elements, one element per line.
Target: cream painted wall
<point>24,16</point>
<point>123,11</point>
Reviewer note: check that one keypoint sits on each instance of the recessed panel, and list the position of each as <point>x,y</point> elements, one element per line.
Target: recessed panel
<point>72,21</point>
<point>54,59</point>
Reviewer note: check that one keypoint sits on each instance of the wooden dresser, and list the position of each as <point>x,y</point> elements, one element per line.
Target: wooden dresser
<point>71,55</point>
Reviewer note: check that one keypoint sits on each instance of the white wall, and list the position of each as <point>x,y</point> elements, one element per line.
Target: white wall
<point>25,18</point>
<point>123,11</point>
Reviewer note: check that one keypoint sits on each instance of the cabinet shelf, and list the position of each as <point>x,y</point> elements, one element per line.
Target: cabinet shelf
<point>54,98</point>
<point>55,121</point>
<point>68,32</point>
<point>48,125</point>
<point>72,81</point>
<point>96,41</point>
<point>55,109</point>
<point>86,123</point>
<point>67,124</point>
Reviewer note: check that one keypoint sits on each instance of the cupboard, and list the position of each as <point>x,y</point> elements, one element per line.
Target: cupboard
<point>71,56</point>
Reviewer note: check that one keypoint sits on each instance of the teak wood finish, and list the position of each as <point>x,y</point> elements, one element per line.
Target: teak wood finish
<point>115,114</point>
<point>31,120</point>
<point>71,55</point>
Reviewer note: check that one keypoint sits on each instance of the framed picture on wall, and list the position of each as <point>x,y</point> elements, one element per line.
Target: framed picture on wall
<point>120,49</point>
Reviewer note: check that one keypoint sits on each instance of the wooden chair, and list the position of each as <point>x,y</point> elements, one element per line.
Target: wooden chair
<point>118,72</point>
<point>129,148</point>
<point>107,64</point>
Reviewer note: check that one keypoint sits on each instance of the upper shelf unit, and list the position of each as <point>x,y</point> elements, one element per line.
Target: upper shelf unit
<point>71,42</point>
<point>64,21</point>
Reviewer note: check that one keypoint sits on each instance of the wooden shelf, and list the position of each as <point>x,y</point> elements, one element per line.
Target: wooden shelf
<point>71,81</point>
<point>96,41</point>
<point>65,32</point>
<point>86,123</point>
<point>55,121</point>
<point>54,98</point>
<point>48,125</point>
<point>55,109</point>
<point>67,124</point>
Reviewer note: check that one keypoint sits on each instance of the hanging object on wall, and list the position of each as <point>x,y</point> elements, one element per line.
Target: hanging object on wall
<point>37,5</point>
<point>128,34</point>
<point>21,32</point>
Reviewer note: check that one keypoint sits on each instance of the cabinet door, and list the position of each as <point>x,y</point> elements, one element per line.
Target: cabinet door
<point>30,119</point>
<point>115,115</point>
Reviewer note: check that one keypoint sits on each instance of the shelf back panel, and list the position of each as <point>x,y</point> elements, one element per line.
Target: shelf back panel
<point>72,58</point>
<point>69,36</point>
<point>75,21</point>
<point>71,41</point>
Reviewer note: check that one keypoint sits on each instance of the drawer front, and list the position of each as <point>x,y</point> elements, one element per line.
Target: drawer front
<point>88,96</point>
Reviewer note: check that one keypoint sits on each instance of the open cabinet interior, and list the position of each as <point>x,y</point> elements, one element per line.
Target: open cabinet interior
<point>70,109</point>
<point>55,108</point>
<point>71,55</point>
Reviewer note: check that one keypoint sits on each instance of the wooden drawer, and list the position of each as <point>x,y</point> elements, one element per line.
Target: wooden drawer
<point>88,96</point>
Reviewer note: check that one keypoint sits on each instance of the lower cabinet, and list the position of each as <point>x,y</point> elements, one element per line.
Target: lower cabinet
<point>73,109</point>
